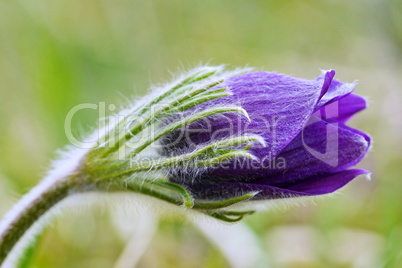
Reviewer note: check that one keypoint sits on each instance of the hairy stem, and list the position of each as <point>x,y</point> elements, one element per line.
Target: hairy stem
<point>28,210</point>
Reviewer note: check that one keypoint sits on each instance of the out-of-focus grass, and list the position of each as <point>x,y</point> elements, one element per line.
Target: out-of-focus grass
<point>57,54</point>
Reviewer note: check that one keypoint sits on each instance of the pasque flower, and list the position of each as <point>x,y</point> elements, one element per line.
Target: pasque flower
<point>308,147</point>
<point>208,140</point>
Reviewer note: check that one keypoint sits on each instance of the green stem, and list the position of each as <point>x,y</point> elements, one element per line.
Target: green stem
<point>28,210</point>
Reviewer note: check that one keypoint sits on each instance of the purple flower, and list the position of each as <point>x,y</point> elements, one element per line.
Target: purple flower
<point>309,148</point>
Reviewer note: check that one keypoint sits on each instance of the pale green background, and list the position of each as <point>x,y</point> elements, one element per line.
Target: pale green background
<point>56,54</point>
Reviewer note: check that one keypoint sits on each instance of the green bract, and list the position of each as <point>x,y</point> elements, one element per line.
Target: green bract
<point>111,167</point>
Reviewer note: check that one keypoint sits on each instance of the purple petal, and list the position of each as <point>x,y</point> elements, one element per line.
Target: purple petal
<point>317,185</point>
<point>320,148</point>
<point>278,106</point>
<point>333,90</point>
<point>327,77</point>
<point>343,109</point>
<point>322,185</point>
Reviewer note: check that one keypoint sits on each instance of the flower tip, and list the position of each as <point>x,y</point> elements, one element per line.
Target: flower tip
<point>247,147</point>
<point>331,72</point>
<point>259,139</point>
<point>245,113</point>
<point>252,194</point>
<point>368,176</point>
<point>188,204</point>
<point>251,156</point>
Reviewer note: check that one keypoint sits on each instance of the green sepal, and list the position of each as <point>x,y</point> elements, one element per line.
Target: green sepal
<point>188,201</point>
<point>229,216</point>
<point>223,203</point>
<point>186,121</point>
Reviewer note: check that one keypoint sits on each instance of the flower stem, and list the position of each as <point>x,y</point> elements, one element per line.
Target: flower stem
<point>28,210</point>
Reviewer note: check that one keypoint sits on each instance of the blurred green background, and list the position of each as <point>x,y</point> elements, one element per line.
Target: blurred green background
<point>55,54</point>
